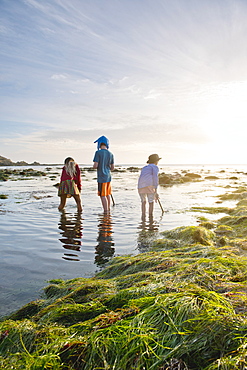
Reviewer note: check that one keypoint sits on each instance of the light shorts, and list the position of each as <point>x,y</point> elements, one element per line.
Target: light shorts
<point>104,189</point>
<point>149,196</point>
<point>147,192</point>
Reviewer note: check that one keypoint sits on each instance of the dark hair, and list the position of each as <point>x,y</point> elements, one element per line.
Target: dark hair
<point>101,144</point>
<point>68,159</point>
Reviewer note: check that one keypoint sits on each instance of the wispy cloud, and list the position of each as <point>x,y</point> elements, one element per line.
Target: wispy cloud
<point>150,74</point>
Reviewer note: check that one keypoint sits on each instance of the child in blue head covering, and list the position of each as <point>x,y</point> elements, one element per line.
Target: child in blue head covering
<point>102,140</point>
<point>104,163</point>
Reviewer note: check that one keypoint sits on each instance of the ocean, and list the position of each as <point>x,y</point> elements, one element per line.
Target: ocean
<point>39,243</point>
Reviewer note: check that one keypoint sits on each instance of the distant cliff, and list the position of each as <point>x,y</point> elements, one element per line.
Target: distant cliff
<point>7,162</point>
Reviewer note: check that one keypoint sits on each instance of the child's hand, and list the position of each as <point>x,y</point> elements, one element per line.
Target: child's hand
<point>156,196</point>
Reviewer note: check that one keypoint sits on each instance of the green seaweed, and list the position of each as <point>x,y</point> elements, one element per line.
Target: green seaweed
<point>4,175</point>
<point>212,210</point>
<point>20,174</point>
<point>207,224</point>
<point>182,304</point>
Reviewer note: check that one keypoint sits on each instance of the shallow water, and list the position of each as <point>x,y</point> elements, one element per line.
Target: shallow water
<point>39,243</point>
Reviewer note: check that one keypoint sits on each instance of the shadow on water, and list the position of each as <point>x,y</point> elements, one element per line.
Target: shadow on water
<point>104,251</point>
<point>148,231</point>
<point>71,231</point>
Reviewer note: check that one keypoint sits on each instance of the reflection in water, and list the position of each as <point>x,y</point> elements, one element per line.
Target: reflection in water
<point>104,250</point>
<point>149,231</point>
<point>71,226</point>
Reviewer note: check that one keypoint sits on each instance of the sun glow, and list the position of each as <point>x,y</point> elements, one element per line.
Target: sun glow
<point>224,120</point>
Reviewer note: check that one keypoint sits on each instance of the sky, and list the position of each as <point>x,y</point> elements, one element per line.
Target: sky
<point>154,76</point>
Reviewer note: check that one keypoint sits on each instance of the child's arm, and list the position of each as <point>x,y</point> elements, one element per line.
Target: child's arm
<point>96,160</point>
<point>155,177</point>
<point>63,175</point>
<point>78,177</point>
<point>156,181</point>
<point>112,163</point>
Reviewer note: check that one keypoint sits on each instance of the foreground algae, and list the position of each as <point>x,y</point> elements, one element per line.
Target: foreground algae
<point>182,305</point>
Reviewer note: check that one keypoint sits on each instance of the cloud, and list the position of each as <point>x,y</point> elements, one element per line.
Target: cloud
<point>58,77</point>
<point>155,74</point>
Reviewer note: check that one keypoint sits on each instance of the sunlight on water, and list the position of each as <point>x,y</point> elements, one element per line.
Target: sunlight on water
<point>39,243</point>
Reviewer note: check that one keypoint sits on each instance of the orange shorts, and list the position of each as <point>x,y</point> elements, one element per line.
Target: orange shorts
<point>104,189</point>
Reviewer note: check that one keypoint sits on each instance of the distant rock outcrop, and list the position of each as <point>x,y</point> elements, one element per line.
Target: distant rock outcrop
<point>7,162</point>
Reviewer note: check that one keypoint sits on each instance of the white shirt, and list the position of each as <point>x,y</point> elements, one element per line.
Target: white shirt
<point>149,176</point>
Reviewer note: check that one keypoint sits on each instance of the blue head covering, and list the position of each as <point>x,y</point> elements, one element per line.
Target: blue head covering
<point>102,140</point>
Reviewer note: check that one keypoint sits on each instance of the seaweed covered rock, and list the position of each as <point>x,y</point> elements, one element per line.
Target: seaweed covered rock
<point>172,179</point>
<point>4,175</point>
<point>211,177</point>
<point>181,305</point>
<point>133,169</point>
<point>192,176</point>
<point>238,194</point>
<point>187,235</point>
<point>208,224</point>
<point>224,230</point>
<point>8,174</point>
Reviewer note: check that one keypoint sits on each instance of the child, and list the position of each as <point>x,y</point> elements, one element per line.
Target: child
<point>148,183</point>
<point>70,184</point>
<point>104,163</point>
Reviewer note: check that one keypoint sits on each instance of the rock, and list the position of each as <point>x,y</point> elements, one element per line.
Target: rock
<point>20,163</point>
<point>193,175</point>
<point>170,179</point>
<point>211,178</point>
<point>133,169</point>
<point>7,162</point>
<point>35,164</point>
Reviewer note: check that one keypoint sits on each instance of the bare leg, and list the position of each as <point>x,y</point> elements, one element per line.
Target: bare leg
<point>143,209</point>
<point>106,201</point>
<point>109,201</point>
<point>62,204</point>
<point>78,202</point>
<point>151,208</point>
